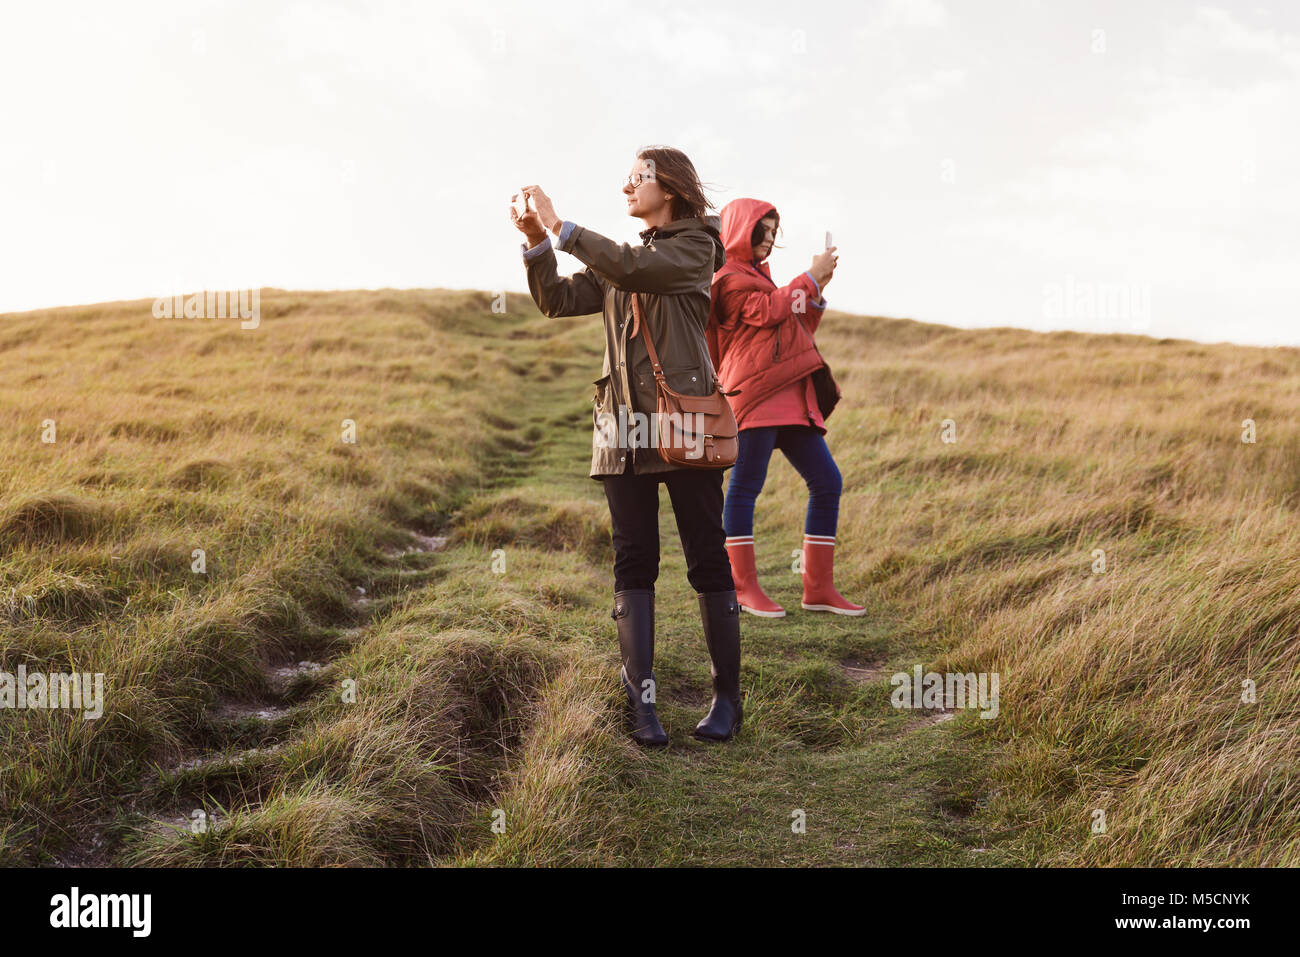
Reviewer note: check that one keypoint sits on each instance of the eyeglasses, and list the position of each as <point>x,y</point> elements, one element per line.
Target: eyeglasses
<point>636,179</point>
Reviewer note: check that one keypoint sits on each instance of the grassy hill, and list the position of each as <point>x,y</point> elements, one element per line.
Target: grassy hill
<point>398,650</point>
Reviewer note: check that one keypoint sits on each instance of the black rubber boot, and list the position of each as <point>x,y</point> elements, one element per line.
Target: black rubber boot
<point>720,613</point>
<point>634,611</point>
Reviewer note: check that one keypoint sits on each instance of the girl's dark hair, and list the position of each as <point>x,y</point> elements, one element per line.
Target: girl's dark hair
<point>676,174</point>
<point>756,236</point>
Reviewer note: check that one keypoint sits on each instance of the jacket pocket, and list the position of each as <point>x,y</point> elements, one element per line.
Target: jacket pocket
<point>689,380</point>
<point>605,439</point>
<point>602,396</point>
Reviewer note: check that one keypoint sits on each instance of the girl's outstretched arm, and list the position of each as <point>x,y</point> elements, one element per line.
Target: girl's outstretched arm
<point>764,307</point>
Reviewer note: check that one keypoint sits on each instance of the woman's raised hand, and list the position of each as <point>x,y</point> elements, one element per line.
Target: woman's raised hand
<point>530,224</point>
<point>823,266</point>
<point>545,211</point>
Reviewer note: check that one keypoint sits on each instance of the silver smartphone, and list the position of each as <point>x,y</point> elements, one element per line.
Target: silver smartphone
<point>828,239</point>
<point>520,203</point>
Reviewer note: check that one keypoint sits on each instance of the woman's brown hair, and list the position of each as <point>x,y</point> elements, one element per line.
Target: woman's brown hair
<point>756,234</point>
<point>676,175</point>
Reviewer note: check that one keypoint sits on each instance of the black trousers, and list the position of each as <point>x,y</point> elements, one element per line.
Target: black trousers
<point>696,495</point>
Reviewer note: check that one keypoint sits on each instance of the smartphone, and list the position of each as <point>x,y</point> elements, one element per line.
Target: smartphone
<point>520,203</point>
<point>828,239</point>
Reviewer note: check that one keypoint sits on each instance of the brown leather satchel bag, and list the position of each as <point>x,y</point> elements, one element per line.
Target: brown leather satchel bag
<point>692,431</point>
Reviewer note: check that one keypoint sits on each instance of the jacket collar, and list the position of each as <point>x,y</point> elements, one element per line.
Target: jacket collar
<point>709,225</point>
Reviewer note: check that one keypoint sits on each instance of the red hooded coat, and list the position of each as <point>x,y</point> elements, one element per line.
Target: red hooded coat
<point>761,337</point>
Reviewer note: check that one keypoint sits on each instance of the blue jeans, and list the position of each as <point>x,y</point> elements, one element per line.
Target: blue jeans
<point>806,449</point>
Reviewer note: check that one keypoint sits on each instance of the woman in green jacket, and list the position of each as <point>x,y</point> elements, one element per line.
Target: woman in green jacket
<point>671,271</point>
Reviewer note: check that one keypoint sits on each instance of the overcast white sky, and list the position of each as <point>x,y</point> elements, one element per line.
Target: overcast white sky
<point>1097,166</point>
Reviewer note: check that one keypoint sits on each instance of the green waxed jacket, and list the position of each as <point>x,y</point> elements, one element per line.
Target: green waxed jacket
<point>672,271</point>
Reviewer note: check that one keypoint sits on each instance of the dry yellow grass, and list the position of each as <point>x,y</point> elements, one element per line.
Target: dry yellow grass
<point>1121,690</point>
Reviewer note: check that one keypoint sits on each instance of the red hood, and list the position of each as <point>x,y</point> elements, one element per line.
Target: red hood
<point>738,220</point>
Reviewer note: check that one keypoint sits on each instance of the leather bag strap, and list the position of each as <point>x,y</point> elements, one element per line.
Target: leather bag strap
<point>645,337</point>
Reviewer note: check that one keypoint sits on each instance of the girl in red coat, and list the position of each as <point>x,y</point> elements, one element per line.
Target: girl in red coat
<point>761,338</point>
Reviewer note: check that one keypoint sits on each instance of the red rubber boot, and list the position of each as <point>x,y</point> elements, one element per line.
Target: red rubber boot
<point>819,592</point>
<point>752,598</point>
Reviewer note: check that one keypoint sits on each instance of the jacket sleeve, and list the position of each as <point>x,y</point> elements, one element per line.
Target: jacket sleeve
<point>577,295</point>
<point>812,317</point>
<point>670,266</point>
<point>763,308</point>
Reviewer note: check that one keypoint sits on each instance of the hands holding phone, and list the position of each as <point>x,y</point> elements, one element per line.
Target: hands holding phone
<point>823,264</point>
<point>532,214</point>
<point>525,218</point>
